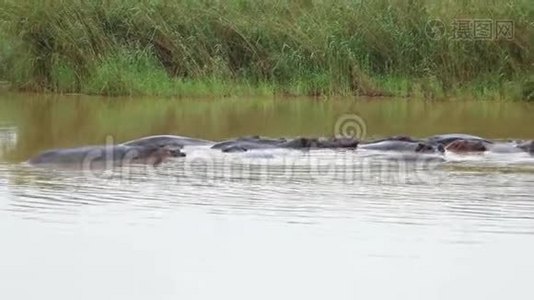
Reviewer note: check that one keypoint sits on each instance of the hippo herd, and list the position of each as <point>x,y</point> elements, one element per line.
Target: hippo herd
<point>154,150</point>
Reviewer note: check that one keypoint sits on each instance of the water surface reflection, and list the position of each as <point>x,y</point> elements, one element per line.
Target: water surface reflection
<point>289,225</point>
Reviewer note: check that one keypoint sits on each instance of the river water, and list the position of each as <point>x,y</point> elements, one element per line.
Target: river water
<point>271,225</point>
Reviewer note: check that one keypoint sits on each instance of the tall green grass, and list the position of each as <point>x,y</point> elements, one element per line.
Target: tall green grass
<point>299,47</point>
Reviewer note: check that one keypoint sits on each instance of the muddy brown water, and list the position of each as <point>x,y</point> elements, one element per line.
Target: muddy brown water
<point>270,225</point>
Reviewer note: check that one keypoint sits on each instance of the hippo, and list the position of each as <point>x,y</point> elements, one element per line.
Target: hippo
<point>249,142</point>
<point>396,138</point>
<point>245,144</point>
<point>234,149</point>
<point>174,141</point>
<point>505,147</point>
<point>261,139</point>
<point>403,146</point>
<point>299,143</point>
<point>335,143</point>
<point>463,146</point>
<point>481,145</point>
<point>113,155</point>
<point>527,146</point>
<point>446,139</point>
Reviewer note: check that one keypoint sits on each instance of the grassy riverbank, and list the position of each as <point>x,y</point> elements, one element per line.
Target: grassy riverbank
<point>238,47</point>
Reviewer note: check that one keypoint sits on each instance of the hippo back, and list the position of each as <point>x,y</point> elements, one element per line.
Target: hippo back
<point>167,140</point>
<point>446,139</point>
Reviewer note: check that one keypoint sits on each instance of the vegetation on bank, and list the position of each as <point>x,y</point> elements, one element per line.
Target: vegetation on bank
<point>288,47</point>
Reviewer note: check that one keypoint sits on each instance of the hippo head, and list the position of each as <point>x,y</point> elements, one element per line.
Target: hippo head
<point>166,152</point>
<point>344,142</point>
<point>427,148</point>
<point>462,146</point>
<point>155,155</point>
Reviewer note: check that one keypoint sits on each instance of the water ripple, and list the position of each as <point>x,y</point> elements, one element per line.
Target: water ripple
<point>294,187</point>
